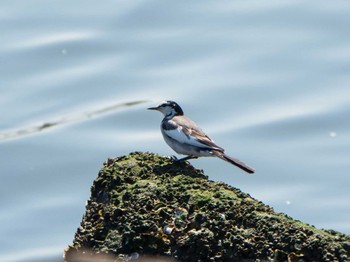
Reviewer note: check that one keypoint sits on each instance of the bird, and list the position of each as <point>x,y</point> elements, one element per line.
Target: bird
<point>185,137</point>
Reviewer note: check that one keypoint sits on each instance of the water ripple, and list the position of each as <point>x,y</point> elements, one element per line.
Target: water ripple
<point>64,120</point>
<point>50,39</point>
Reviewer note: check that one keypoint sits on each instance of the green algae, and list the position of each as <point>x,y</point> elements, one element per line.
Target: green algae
<point>146,204</point>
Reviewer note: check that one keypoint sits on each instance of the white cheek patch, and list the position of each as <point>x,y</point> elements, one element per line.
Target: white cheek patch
<point>178,135</point>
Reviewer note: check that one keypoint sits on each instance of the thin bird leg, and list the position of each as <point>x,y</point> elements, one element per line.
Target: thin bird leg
<point>185,158</point>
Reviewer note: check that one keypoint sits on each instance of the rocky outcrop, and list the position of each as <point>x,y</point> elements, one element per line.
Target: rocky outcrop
<point>143,204</point>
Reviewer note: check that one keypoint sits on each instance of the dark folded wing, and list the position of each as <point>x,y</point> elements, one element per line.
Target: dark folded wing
<point>194,132</point>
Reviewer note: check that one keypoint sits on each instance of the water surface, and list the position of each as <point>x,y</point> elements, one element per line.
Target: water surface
<point>268,81</point>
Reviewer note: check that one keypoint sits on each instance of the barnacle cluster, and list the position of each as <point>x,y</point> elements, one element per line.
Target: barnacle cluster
<point>145,204</point>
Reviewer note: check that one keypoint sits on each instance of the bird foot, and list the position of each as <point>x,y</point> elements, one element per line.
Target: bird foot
<point>173,158</point>
<point>184,159</point>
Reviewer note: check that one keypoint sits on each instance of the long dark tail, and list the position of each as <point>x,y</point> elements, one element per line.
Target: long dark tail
<point>234,161</point>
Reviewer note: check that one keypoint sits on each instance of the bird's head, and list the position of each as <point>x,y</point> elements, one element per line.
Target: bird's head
<point>168,108</point>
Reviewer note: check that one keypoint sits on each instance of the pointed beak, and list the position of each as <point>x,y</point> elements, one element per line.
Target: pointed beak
<point>152,108</point>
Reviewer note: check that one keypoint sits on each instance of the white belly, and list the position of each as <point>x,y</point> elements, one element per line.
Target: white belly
<point>186,149</point>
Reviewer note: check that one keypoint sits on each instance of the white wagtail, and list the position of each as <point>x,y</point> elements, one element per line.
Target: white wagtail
<point>185,137</point>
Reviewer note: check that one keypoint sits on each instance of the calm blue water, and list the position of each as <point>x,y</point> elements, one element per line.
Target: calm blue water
<point>269,81</point>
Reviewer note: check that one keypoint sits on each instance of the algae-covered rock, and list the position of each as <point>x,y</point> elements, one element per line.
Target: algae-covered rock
<point>145,204</point>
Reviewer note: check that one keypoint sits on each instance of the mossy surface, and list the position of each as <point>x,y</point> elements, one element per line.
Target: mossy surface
<point>146,204</point>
